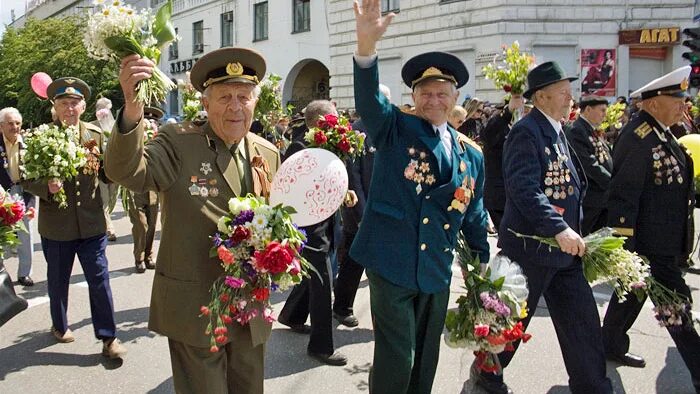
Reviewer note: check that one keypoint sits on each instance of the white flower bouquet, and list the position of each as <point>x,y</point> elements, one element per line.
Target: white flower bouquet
<point>117,30</point>
<point>53,152</point>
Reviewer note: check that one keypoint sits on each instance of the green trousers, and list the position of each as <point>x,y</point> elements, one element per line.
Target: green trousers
<point>407,328</point>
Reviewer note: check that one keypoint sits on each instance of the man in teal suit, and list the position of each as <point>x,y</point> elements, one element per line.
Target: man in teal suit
<point>426,187</point>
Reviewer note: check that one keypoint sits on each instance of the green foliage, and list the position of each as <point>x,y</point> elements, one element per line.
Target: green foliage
<point>613,116</point>
<point>269,109</point>
<point>509,70</point>
<point>55,47</point>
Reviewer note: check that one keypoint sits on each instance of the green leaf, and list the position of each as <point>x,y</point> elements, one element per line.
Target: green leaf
<point>124,46</point>
<point>498,283</point>
<point>163,29</point>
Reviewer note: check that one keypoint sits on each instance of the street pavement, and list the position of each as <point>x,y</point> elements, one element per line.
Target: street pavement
<point>32,362</point>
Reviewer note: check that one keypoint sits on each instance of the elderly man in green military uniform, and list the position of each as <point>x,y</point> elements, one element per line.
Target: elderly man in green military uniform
<point>196,170</point>
<point>77,229</point>
<point>143,207</point>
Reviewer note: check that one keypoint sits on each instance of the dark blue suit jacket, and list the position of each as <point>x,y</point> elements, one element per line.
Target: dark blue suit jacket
<point>534,204</point>
<point>410,227</point>
<point>6,182</point>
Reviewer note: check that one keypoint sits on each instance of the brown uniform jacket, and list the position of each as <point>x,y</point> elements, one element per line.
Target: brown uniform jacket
<point>182,158</point>
<point>83,218</point>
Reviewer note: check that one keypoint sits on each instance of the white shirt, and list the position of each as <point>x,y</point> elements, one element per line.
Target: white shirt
<point>555,123</point>
<point>445,135</point>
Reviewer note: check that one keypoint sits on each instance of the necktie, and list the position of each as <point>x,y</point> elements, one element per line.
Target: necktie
<point>242,173</point>
<point>561,141</point>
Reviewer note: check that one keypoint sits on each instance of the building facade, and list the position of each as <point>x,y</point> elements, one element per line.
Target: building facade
<point>613,46</point>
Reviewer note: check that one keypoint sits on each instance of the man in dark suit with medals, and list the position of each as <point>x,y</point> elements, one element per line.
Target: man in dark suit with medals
<point>12,149</point>
<point>651,203</point>
<point>426,187</point>
<point>544,189</point>
<point>593,151</point>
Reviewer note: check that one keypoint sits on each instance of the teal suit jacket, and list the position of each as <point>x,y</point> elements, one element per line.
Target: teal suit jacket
<point>414,210</point>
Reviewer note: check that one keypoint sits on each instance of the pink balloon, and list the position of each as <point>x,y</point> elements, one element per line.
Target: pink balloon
<point>40,81</point>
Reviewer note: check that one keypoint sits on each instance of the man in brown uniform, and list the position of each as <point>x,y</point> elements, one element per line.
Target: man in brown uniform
<point>77,229</point>
<point>196,170</point>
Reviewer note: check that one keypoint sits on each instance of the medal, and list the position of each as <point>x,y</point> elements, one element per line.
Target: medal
<point>212,182</point>
<point>203,191</point>
<point>213,191</point>
<point>548,181</point>
<point>656,156</point>
<point>205,168</point>
<point>194,190</point>
<point>555,195</point>
<point>680,179</point>
<point>462,166</point>
<point>548,192</point>
<point>571,190</point>
<point>562,194</point>
<point>546,150</point>
<point>657,181</point>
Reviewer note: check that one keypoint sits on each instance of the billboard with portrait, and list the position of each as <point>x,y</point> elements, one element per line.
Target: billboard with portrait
<point>598,72</point>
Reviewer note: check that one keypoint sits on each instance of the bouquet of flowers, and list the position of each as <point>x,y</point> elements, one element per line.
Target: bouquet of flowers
<point>606,261</point>
<point>259,249</point>
<point>54,152</point>
<point>335,134</point>
<point>488,317</point>
<point>613,116</point>
<point>269,110</point>
<point>117,30</point>
<point>509,69</point>
<point>191,100</point>
<point>151,130</point>
<point>12,211</point>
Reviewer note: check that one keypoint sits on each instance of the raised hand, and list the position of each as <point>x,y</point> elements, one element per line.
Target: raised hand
<point>132,70</point>
<point>371,25</point>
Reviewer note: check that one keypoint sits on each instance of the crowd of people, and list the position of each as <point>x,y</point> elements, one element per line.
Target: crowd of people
<point>432,172</point>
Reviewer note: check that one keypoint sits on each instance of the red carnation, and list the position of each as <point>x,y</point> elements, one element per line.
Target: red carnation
<point>275,259</point>
<point>328,121</point>
<point>224,298</point>
<point>344,145</point>
<point>204,310</point>
<point>507,88</point>
<point>225,255</point>
<point>240,234</point>
<point>320,138</point>
<point>342,129</point>
<point>261,294</point>
<point>11,213</point>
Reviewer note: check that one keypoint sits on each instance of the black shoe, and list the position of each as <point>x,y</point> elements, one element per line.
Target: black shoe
<point>337,359</point>
<point>25,281</point>
<point>491,386</point>
<point>629,359</point>
<point>348,320</point>
<point>298,328</point>
<point>140,267</point>
<point>150,264</point>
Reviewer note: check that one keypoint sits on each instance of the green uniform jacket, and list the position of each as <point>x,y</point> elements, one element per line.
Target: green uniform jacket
<point>196,175</point>
<point>83,218</point>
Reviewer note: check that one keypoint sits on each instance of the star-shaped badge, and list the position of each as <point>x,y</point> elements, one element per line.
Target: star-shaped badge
<point>205,168</point>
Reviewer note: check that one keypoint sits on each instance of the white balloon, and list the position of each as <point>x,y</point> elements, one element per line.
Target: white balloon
<point>312,181</point>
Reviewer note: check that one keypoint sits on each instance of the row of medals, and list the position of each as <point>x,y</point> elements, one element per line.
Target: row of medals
<point>665,164</point>
<point>601,151</point>
<point>556,178</point>
<point>203,187</point>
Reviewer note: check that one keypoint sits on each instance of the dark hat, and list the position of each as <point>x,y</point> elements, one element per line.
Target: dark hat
<point>674,84</point>
<point>588,101</point>
<point>434,65</point>
<point>68,87</point>
<point>544,75</point>
<point>228,65</point>
<point>154,113</point>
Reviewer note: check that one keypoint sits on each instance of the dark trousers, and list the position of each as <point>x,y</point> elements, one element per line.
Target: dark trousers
<point>620,316</point>
<point>313,297</point>
<point>594,218</point>
<point>575,317</point>
<point>237,367</point>
<point>59,257</point>
<point>407,328</point>
<point>349,276</point>
<point>143,220</point>
<point>496,216</point>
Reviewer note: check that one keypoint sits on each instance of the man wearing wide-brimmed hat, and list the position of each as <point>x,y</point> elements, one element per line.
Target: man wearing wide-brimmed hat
<point>591,147</point>
<point>651,203</point>
<point>426,187</point>
<point>545,185</point>
<point>79,229</point>
<point>196,170</point>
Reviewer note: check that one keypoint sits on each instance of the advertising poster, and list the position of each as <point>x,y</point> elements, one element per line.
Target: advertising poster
<point>598,71</point>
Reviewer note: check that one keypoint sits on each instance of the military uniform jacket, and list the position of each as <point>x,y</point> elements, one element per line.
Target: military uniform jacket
<point>83,217</point>
<point>420,195</point>
<point>651,192</point>
<point>543,192</point>
<point>195,175</point>
<point>594,153</point>
<point>6,181</point>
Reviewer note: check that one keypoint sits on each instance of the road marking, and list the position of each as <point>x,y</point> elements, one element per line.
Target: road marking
<point>37,301</point>
<point>112,276</point>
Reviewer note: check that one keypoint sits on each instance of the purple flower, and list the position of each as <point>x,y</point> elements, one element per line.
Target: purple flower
<point>234,283</point>
<point>217,240</point>
<point>228,243</point>
<point>243,217</point>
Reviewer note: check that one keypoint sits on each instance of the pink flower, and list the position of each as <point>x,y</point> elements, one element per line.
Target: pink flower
<point>481,330</point>
<point>267,315</point>
<point>295,268</point>
<point>225,255</point>
<point>234,283</point>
